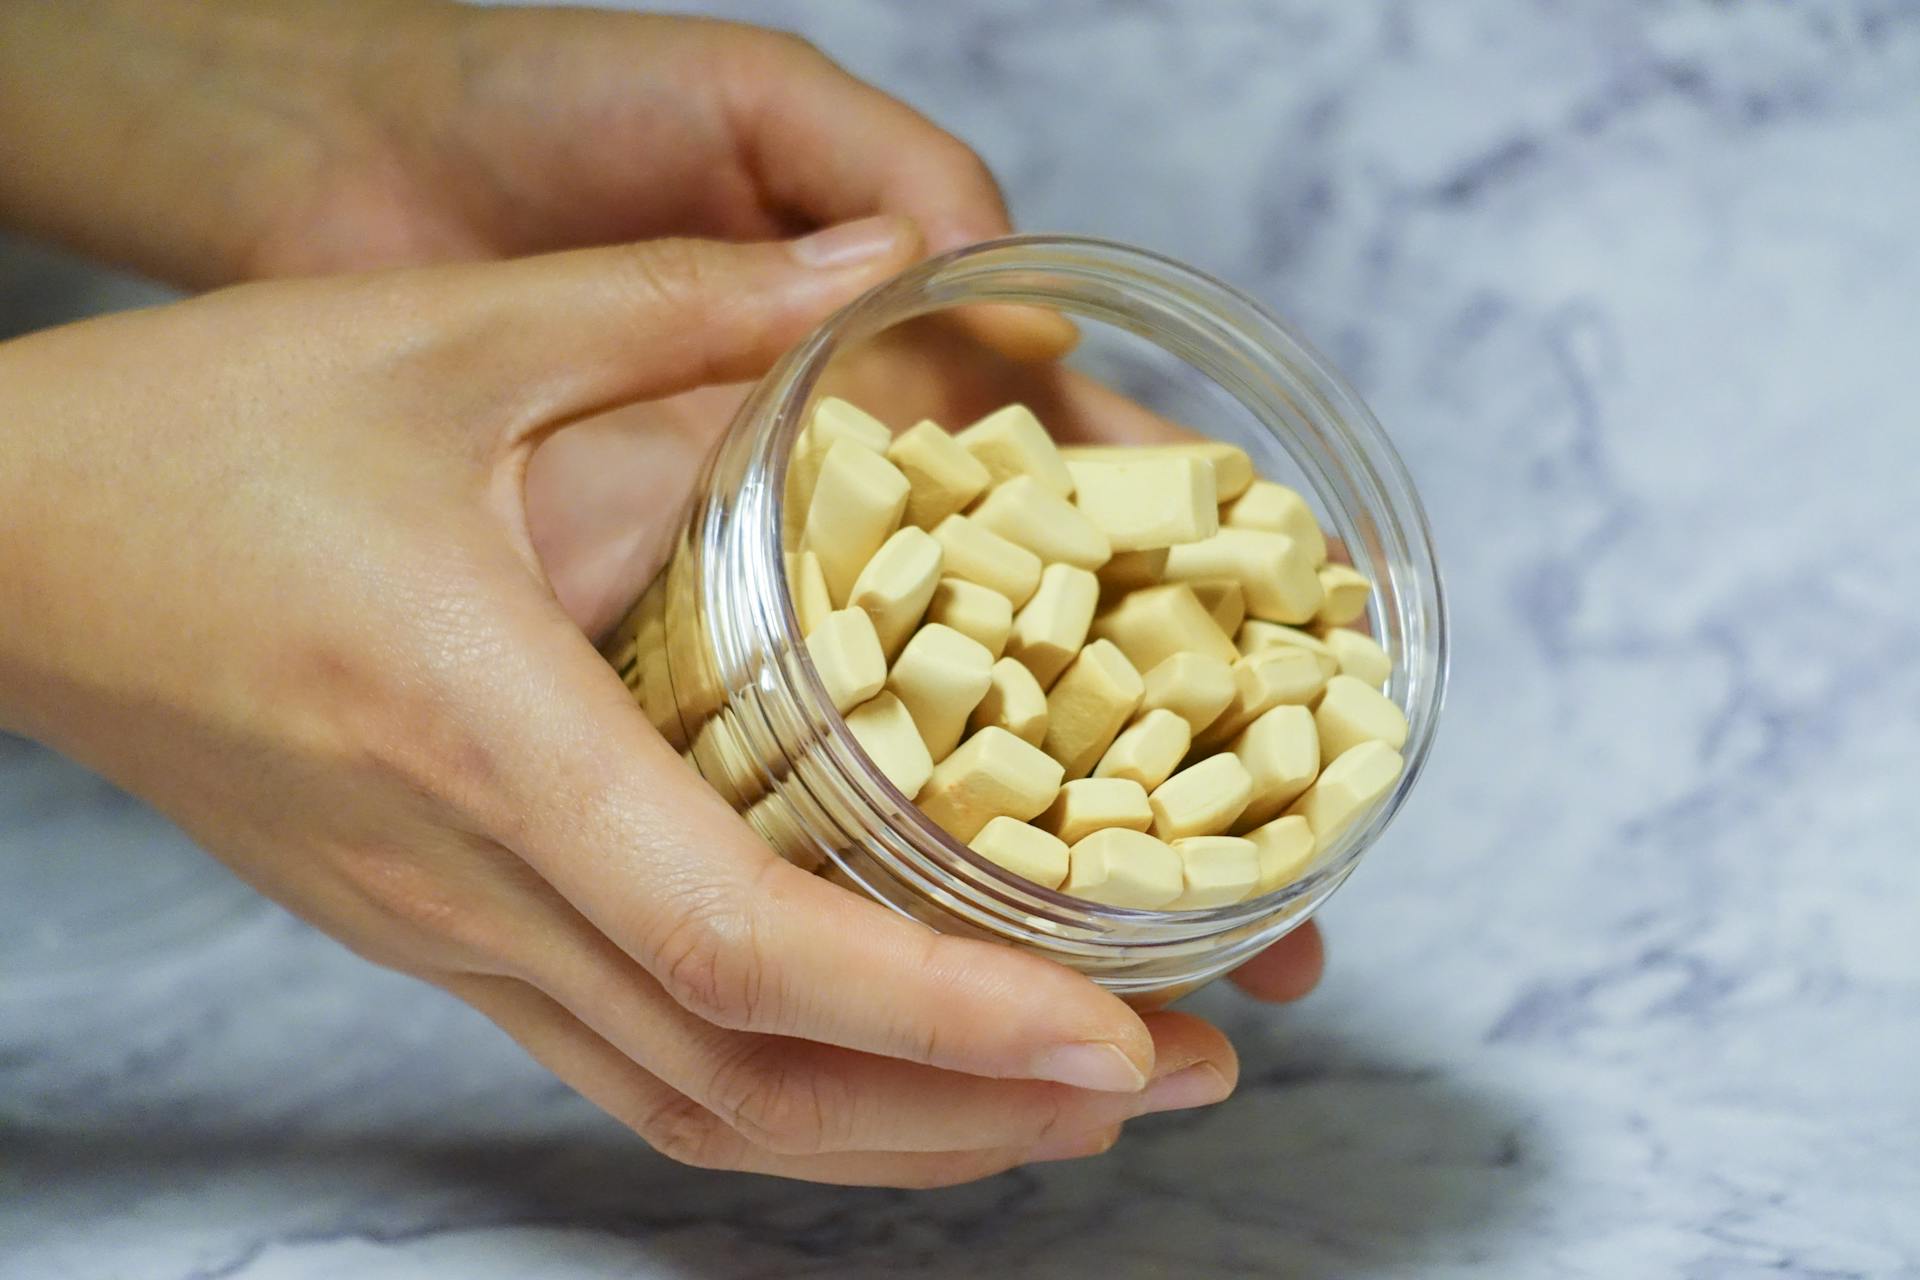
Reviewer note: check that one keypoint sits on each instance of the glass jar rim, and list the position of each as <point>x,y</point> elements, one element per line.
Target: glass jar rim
<point>1272,371</point>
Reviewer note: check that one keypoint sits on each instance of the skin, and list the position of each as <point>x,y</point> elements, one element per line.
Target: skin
<point>312,564</point>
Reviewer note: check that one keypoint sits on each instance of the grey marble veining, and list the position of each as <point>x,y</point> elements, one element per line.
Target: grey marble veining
<point>1633,986</point>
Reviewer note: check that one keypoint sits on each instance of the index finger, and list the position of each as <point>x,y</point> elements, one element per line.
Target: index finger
<point>827,146</point>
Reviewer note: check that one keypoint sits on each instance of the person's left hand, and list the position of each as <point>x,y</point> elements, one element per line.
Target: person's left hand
<point>229,139</point>
<point>470,132</point>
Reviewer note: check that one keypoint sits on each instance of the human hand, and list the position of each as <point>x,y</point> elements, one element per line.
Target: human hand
<point>308,137</point>
<point>266,563</point>
<point>585,483</point>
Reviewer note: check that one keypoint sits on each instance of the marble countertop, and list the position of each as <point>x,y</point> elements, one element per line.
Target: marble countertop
<point>1633,986</point>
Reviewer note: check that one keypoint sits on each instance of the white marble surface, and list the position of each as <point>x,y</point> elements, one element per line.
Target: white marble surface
<point>1633,987</point>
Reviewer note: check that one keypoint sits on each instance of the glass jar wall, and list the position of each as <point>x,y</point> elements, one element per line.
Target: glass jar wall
<point>714,654</point>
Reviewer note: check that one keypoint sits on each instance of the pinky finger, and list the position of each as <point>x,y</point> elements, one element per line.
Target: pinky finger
<point>682,1130</point>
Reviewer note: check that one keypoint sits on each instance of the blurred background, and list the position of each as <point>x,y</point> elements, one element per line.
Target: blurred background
<point>1633,985</point>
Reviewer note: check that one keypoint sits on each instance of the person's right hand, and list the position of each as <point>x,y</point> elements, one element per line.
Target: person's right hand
<point>264,560</point>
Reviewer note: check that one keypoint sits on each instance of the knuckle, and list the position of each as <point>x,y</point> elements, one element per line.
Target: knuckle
<point>1051,1114</point>
<point>793,44</point>
<point>388,952</point>
<point>404,722</point>
<point>687,1133</point>
<point>399,889</point>
<point>709,961</point>
<point>427,913</point>
<point>683,281</point>
<point>964,164</point>
<point>971,165</point>
<point>672,272</point>
<point>781,1104</point>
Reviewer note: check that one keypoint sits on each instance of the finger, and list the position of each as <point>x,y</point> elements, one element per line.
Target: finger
<point>1030,335</point>
<point>578,783</point>
<point>538,742</point>
<point>927,368</point>
<point>748,941</point>
<point>1087,410</point>
<point>547,340</point>
<point>798,1096</point>
<point>803,1097</point>
<point>682,1130</point>
<point>600,495</point>
<point>1287,970</point>
<point>828,147</point>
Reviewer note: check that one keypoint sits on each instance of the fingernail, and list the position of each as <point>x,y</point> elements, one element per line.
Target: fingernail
<point>850,242</point>
<point>1199,1085</point>
<point>1091,1065</point>
<point>1074,1146</point>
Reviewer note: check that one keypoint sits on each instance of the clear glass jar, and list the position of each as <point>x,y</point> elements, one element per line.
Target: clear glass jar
<point>713,649</point>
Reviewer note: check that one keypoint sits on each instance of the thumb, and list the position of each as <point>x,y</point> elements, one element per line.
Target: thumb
<point>564,335</point>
